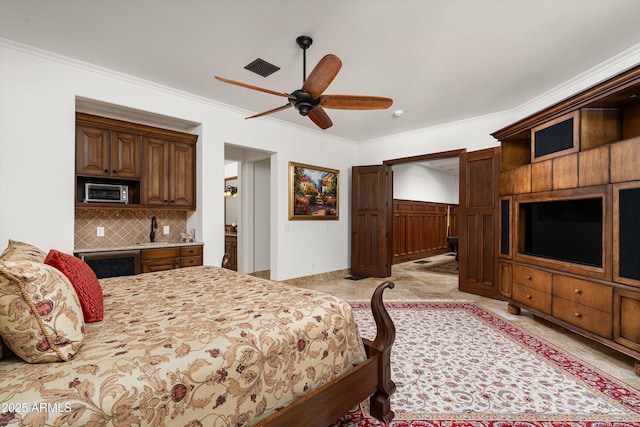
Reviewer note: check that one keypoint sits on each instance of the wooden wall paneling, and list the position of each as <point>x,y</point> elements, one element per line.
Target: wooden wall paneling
<point>541,176</point>
<point>599,126</point>
<point>625,158</point>
<point>631,121</point>
<point>420,229</point>
<point>565,172</point>
<point>593,167</point>
<point>522,180</point>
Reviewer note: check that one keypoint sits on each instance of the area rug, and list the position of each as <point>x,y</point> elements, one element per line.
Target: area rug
<point>456,364</point>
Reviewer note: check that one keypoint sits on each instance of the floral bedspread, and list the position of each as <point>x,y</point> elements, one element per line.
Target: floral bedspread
<point>198,346</point>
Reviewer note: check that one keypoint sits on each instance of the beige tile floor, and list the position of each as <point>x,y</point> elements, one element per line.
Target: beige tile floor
<point>415,282</point>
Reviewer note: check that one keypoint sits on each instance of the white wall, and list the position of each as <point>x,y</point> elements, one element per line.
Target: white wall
<point>37,113</point>
<point>415,182</point>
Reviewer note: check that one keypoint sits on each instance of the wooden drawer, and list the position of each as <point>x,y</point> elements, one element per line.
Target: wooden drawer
<point>532,297</point>
<point>582,292</point>
<point>532,278</point>
<point>190,261</point>
<point>191,251</point>
<point>585,317</point>
<point>160,253</point>
<point>159,265</point>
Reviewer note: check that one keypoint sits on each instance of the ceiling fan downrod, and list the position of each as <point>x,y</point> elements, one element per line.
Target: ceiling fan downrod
<point>304,42</point>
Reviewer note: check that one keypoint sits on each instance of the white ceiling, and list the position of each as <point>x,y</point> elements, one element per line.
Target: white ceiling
<point>440,60</point>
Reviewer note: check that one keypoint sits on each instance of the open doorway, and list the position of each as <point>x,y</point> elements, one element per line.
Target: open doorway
<point>248,209</point>
<point>425,205</point>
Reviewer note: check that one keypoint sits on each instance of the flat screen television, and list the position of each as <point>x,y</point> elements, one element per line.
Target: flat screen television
<point>565,230</point>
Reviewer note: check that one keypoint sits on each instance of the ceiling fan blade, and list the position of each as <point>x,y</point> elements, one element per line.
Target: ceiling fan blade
<point>272,92</point>
<point>264,113</point>
<point>322,75</point>
<point>320,118</point>
<point>355,102</point>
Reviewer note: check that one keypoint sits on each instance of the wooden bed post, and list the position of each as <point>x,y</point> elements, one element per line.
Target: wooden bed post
<point>386,333</point>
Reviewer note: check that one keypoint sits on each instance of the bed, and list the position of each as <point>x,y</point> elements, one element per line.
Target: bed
<point>206,346</point>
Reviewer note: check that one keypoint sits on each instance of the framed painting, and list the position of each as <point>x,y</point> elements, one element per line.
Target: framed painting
<point>313,192</point>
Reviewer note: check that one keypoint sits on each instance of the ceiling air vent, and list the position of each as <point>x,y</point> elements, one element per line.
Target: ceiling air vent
<point>262,67</point>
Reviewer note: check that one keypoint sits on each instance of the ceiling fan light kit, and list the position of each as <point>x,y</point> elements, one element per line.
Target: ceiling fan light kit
<point>310,100</point>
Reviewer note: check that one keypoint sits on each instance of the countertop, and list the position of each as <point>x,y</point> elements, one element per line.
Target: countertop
<point>146,245</point>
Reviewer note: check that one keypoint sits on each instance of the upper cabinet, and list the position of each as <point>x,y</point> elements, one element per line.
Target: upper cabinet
<point>157,165</point>
<point>105,153</point>
<point>168,177</point>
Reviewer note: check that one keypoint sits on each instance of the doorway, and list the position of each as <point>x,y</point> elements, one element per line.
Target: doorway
<point>425,205</point>
<point>248,211</point>
<point>371,219</point>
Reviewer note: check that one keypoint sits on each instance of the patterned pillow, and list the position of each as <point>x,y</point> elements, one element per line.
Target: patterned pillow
<point>84,281</point>
<point>40,315</point>
<point>20,251</point>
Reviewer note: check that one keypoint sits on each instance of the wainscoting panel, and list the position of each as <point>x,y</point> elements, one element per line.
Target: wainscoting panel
<point>420,229</point>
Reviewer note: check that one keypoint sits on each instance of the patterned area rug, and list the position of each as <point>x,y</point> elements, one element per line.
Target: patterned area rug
<point>457,364</point>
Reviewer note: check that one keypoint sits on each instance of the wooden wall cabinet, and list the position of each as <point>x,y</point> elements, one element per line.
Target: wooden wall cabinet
<point>168,177</point>
<point>157,164</point>
<point>105,153</point>
<point>586,147</point>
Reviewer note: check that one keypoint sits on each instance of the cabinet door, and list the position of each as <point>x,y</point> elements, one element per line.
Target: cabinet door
<point>125,155</point>
<point>231,248</point>
<point>92,151</point>
<point>182,175</point>
<point>155,172</point>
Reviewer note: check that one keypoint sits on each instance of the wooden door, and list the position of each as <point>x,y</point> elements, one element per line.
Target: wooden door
<point>371,215</point>
<point>478,222</point>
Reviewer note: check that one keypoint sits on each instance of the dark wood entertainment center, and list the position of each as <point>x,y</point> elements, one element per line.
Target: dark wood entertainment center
<point>575,168</point>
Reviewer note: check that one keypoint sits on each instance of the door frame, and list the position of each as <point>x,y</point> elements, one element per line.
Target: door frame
<point>415,159</point>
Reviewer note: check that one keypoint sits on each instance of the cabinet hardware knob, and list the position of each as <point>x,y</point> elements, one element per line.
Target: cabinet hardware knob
<point>106,171</point>
<point>165,201</point>
<point>528,296</point>
<point>577,291</point>
<point>577,314</point>
<point>173,201</point>
<point>114,171</point>
<point>528,277</point>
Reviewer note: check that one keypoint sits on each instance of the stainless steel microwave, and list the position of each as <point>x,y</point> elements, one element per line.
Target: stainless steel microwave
<point>106,193</point>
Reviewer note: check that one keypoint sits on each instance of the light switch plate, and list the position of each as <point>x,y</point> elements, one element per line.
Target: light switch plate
<point>165,229</point>
<point>100,231</point>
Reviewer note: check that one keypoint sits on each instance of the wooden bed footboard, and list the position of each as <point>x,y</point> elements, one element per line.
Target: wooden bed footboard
<point>372,378</point>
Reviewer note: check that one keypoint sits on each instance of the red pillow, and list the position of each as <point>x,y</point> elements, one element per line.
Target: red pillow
<point>84,281</point>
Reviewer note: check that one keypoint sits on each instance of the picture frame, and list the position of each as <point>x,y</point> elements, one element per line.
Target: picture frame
<point>313,192</point>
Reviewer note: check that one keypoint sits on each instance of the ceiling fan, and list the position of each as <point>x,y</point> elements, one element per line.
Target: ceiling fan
<point>310,100</point>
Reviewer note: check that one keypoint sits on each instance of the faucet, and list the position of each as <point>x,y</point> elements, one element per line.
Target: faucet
<point>154,227</point>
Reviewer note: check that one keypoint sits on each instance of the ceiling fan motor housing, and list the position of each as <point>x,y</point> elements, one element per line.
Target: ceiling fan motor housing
<point>303,102</point>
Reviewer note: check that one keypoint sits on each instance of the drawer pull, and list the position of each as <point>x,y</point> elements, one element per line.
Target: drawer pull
<point>528,296</point>
<point>577,291</point>
<point>578,315</point>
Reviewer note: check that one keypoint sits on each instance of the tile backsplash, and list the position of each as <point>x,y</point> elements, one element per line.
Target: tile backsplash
<point>126,227</point>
